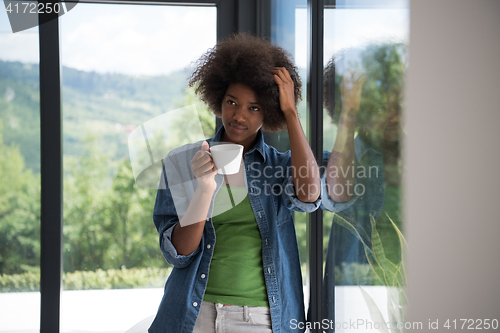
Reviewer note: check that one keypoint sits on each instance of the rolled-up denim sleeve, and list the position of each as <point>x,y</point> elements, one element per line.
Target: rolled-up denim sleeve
<point>171,253</point>
<point>329,204</point>
<point>291,201</point>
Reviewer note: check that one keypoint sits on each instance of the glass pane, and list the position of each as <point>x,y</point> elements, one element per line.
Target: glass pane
<point>125,105</point>
<point>365,54</point>
<point>19,179</point>
<point>288,30</point>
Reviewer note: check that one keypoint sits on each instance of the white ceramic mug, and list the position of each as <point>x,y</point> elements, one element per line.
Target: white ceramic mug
<point>227,158</point>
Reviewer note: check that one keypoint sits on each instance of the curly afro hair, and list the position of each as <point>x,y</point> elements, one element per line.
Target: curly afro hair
<point>384,65</point>
<point>248,60</point>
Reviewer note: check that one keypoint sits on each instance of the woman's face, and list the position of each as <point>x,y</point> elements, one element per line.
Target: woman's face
<point>393,128</point>
<point>242,115</point>
<point>385,123</point>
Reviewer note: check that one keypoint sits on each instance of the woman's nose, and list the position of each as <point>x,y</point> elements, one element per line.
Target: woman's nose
<point>394,115</point>
<point>239,114</point>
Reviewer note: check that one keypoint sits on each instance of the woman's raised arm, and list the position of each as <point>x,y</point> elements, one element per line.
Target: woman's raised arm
<point>305,169</point>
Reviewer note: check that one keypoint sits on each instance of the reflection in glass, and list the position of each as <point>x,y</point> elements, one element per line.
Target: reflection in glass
<point>363,94</point>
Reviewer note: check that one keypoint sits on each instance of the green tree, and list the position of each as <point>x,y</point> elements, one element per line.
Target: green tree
<point>206,117</point>
<point>135,241</point>
<point>19,213</point>
<point>385,66</point>
<point>87,229</point>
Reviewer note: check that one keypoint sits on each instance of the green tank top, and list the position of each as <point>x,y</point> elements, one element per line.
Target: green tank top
<point>236,275</point>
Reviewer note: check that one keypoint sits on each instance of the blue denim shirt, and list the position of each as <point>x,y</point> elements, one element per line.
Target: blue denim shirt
<point>272,196</point>
<point>367,200</point>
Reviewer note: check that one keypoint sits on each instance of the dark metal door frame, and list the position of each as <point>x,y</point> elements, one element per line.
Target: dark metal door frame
<point>232,16</point>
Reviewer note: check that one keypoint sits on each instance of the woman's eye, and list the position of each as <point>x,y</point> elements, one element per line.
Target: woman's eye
<point>254,108</point>
<point>230,102</point>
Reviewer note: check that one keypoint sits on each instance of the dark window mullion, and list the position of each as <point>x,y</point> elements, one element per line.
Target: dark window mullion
<point>226,25</point>
<point>235,16</point>
<point>315,121</point>
<point>51,174</point>
<point>263,18</point>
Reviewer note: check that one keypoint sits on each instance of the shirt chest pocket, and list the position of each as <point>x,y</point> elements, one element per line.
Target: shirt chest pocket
<point>281,212</point>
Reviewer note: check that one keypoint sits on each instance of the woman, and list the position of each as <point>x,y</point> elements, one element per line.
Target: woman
<point>249,279</point>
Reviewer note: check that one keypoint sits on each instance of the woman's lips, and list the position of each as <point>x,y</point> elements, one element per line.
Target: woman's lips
<point>237,128</point>
<point>393,127</point>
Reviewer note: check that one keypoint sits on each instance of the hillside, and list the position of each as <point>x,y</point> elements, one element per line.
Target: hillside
<point>102,106</point>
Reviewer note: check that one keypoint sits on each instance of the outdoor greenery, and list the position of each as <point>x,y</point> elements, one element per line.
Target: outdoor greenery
<point>19,212</point>
<point>107,218</point>
<point>84,280</point>
<point>107,223</point>
<point>100,104</point>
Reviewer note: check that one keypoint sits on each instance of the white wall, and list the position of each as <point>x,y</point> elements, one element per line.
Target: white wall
<point>453,158</point>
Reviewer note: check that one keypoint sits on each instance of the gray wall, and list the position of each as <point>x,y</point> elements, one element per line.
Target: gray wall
<point>453,158</point>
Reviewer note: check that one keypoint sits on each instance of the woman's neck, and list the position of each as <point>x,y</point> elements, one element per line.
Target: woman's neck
<point>246,145</point>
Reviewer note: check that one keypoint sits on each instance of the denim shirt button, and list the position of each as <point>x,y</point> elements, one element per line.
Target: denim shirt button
<point>203,276</point>
<point>209,246</point>
<point>195,304</point>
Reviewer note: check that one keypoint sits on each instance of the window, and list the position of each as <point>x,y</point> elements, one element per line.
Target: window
<point>20,178</point>
<point>122,68</point>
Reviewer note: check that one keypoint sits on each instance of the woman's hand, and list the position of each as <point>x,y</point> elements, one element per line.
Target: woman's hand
<point>286,89</point>
<point>350,92</point>
<point>187,234</point>
<point>342,157</point>
<point>204,169</point>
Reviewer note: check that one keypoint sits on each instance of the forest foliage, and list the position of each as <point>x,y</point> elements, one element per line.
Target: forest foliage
<point>107,217</point>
